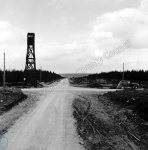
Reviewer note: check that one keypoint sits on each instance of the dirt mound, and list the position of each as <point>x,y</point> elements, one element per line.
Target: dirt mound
<point>10,97</point>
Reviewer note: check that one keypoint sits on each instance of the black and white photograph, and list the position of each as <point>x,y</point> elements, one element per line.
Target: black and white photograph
<point>73,74</point>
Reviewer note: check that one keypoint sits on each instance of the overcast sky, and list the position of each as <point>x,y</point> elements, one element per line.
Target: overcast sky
<point>73,33</point>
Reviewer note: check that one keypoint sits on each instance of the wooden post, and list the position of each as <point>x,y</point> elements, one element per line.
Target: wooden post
<point>4,73</point>
<point>123,72</point>
<point>41,74</point>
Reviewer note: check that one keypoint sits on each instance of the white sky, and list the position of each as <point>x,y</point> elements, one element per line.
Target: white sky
<point>72,33</point>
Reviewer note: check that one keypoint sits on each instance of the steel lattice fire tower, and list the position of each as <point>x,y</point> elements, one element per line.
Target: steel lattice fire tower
<point>30,68</point>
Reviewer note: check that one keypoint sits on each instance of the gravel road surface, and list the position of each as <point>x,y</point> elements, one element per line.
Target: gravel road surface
<point>50,124</point>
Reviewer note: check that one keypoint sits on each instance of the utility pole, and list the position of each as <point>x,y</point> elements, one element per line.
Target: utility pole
<point>4,73</point>
<point>123,72</point>
<point>41,74</point>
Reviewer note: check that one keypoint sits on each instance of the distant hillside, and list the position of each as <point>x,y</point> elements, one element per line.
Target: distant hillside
<point>73,74</point>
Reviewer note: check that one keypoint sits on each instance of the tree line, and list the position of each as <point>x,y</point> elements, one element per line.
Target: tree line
<point>139,75</point>
<point>13,76</point>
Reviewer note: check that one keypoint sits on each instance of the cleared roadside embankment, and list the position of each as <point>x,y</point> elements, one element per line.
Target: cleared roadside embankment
<point>103,124</point>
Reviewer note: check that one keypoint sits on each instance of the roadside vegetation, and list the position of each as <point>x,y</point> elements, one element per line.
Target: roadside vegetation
<point>10,97</point>
<point>88,82</point>
<point>113,121</point>
<point>135,100</point>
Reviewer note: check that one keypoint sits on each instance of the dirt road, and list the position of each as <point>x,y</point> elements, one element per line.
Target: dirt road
<point>50,125</point>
